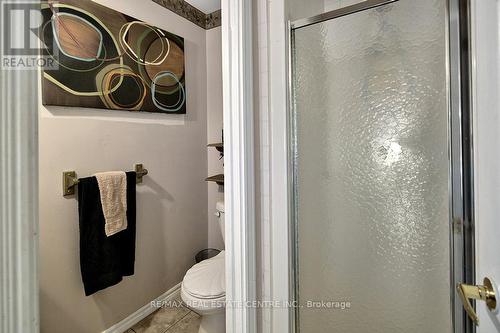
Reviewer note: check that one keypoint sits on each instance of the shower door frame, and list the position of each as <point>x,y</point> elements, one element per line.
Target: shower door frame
<point>460,146</point>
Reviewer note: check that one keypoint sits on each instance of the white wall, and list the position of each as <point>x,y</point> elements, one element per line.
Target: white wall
<point>214,131</point>
<point>298,9</point>
<point>262,186</point>
<point>171,203</point>
<point>486,77</point>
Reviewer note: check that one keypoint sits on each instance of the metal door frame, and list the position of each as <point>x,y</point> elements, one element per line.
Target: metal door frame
<point>461,181</point>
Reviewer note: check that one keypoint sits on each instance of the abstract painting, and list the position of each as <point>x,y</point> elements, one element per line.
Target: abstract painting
<point>109,60</point>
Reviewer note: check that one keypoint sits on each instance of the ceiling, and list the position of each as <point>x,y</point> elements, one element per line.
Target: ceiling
<point>206,6</point>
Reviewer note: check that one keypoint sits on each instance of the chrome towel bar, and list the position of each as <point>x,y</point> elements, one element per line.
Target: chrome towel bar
<point>70,180</point>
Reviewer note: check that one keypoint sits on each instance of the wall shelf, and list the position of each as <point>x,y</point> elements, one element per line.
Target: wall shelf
<point>219,179</point>
<point>219,146</point>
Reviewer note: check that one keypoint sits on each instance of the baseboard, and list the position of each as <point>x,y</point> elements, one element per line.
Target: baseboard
<point>143,312</point>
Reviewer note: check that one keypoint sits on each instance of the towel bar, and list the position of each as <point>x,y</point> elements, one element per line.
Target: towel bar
<point>70,180</point>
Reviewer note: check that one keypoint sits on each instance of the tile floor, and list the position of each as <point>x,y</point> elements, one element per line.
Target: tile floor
<point>175,319</point>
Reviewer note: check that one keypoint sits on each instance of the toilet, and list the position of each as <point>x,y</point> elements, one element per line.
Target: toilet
<point>203,288</point>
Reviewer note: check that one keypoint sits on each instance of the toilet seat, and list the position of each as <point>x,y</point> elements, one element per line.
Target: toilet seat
<point>204,306</point>
<point>206,280</point>
<point>204,285</point>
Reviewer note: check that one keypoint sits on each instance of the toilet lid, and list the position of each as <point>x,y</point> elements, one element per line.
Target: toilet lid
<point>206,279</point>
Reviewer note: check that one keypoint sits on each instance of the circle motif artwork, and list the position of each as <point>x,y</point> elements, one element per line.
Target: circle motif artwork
<point>108,60</point>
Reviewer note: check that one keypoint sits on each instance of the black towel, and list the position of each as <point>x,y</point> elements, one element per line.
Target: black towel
<point>104,260</point>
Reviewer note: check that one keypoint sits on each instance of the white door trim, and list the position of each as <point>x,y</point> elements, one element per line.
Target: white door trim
<point>239,177</point>
<point>19,198</point>
<point>485,20</point>
<point>278,91</point>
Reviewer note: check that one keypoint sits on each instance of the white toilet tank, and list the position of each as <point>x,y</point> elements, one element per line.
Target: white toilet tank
<point>220,214</point>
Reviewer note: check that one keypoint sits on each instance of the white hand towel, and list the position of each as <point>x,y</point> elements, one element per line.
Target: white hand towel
<point>113,191</point>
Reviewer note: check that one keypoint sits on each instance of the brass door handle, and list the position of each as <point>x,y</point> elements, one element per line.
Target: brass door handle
<point>486,293</point>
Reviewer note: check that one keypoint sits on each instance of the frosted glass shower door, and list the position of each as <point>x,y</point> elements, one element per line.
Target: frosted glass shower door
<point>371,180</point>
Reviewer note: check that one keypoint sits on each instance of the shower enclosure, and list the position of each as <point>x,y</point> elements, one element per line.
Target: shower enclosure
<point>378,169</point>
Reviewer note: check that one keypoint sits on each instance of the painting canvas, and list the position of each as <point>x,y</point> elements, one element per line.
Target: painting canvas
<point>109,60</point>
